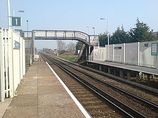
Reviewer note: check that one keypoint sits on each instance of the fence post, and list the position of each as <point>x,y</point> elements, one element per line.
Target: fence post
<point>10,53</point>
<point>138,61</point>
<point>113,53</point>
<point>24,61</point>
<point>124,53</point>
<point>6,62</point>
<point>1,66</point>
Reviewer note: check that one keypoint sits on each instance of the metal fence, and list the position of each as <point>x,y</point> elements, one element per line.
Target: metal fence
<point>12,62</point>
<point>139,53</point>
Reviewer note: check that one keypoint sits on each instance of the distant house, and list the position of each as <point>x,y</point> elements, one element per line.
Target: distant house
<point>55,51</point>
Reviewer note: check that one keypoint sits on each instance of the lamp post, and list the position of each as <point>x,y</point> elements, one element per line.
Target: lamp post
<point>93,29</point>
<point>27,27</point>
<point>94,35</point>
<point>107,33</point>
<point>87,28</point>
<point>9,21</point>
<point>14,11</point>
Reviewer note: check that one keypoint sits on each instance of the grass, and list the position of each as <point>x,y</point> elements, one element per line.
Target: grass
<point>67,58</point>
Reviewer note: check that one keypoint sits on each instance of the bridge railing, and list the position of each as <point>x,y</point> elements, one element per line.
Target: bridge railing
<point>61,35</point>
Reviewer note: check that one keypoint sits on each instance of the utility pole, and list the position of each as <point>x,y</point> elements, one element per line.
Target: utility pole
<point>9,21</point>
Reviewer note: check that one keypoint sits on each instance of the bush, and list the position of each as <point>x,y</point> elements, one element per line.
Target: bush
<point>61,52</point>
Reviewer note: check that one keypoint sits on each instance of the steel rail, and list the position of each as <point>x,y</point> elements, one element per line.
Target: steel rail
<point>128,111</point>
<point>145,88</point>
<point>154,105</point>
<point>151,104</point>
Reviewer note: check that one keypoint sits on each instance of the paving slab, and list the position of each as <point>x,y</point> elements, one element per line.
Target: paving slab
<point>41,95</point>
<point>21,112</point>
<point>3,106</point>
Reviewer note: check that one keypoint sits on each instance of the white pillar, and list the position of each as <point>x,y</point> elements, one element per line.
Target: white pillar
<point>6,61</point>
<point>1,66</point>
<point>124,53</point>
<point>24,61</point>
<point>11,64</point>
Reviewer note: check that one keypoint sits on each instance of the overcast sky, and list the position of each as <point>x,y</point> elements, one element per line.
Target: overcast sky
<point>78,14</point>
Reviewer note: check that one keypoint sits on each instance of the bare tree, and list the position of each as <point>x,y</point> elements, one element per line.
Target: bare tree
<point>61,45</point>
<point>71,46</point>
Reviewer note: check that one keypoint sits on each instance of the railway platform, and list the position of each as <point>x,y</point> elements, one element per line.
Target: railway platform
<point>41,95</point>
<point>122,69</point>
<point>147,70</point>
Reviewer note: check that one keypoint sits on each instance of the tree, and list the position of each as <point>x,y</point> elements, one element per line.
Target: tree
<point>61,45</point>
<point>141,33</point>
<point>119,36</point>
<point>71,46</point>
<point>79,45</point>
<point>103,39</point>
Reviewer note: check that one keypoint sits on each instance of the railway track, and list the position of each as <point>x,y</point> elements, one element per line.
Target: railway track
<point>119,100</point>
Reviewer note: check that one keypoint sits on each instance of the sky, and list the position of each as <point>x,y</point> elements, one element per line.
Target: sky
<point>80,15</point>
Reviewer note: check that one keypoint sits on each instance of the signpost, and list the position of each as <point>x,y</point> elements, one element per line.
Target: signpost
<point>16,21</point>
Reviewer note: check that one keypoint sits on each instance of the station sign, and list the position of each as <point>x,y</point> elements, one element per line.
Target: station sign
<point>16,21</point>
<point>16,45</point>
<point>154,49</point>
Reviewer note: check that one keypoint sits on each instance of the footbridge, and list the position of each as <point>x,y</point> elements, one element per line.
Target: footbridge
<point>88,40</point>
<point>65,35</point>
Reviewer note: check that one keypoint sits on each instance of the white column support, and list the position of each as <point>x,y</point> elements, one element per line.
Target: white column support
<point>11,65</point>
<point>2,66</point>
<point>6,62</point>
<point>20,62</point>
<point>24,58</point>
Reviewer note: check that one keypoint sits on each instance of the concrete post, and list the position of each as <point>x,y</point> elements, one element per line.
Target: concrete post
<point>128,75</point>
<point>148,79</point>
<point>109,70</point>
<point>114,71</point>
<point>121,73</point>
<point>137,77</point>
<point>100,67</point>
